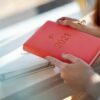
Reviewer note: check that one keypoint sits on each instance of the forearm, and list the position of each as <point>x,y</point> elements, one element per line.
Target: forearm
<point>90,27</point>
<point>93,30</point>
<point>93,86</point>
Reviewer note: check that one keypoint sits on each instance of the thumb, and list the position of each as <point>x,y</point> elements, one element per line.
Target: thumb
<point>69,57</point>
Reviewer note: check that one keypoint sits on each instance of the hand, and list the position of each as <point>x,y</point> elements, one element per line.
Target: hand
<point>60,20</point>
<point>74,23</point>
<point>80,25</point>
<point>77,74</point>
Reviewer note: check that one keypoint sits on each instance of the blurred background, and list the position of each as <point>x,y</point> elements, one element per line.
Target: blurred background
<point>12,11</point>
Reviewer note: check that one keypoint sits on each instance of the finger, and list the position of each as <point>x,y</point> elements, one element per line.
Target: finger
<point>62,22</point>
<point>70,57</point>
<point>56,62</point>
<point>67,18</point>
<point>75,25</point>
<point>61,19</point>
<point>65,22</point>
<point>71,19</point>
<point>68,23</point>
<point>62,75</point>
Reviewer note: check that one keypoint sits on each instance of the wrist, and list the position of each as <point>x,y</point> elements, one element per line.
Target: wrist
<point>93,85</point>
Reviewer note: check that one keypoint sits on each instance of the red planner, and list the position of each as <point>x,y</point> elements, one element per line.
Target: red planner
<point>53,39</point>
